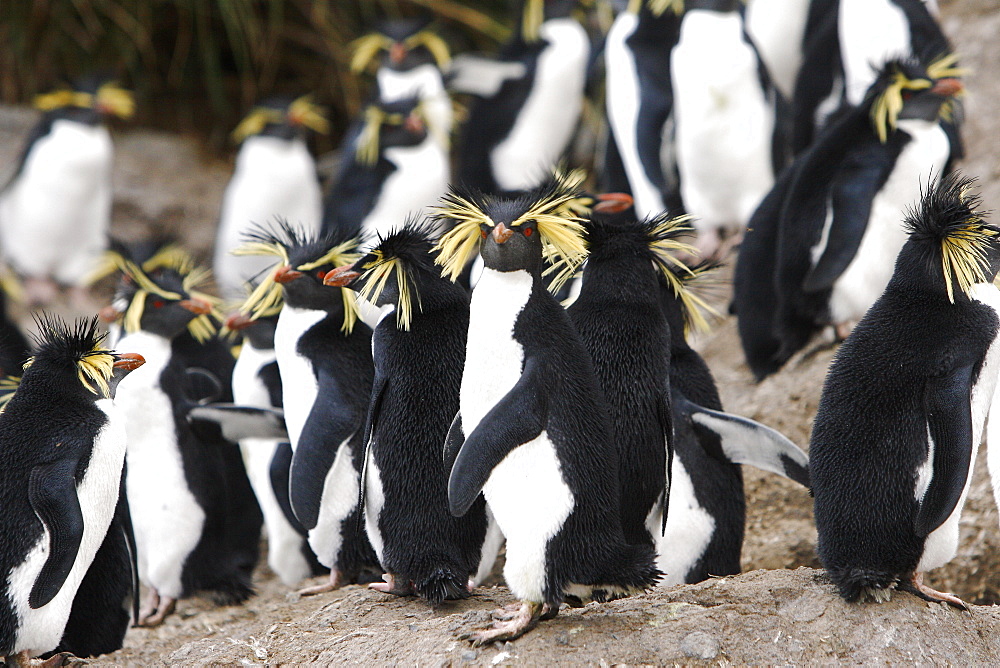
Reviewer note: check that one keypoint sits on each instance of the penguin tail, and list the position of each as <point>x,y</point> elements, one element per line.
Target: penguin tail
<point>232,590</point>
<point>635,571</point>
<point>858,584</point>
<point>442,583</point>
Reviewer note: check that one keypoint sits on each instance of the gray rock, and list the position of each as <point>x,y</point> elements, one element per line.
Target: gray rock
<point>700,645</point>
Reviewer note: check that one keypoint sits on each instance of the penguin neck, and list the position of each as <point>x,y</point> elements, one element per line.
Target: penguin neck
<point>500,296</point>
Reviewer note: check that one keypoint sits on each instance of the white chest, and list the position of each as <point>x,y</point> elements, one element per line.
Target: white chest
<point>298,380</point>
<point>248,388</point>
<point>869,272</point>
<point>549,116</point>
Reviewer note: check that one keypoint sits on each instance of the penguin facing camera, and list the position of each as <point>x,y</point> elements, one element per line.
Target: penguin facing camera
<point>904,404</point>
<point>533,433</point>
<point>411,59</point>
<point>62,473</point>
<point>324,357</point>
<point>275,177</point>
<point>822,242</point>
<point>728,140</point>
<point>56,209</point>
<point>422,548</point>
<point>396,168</point>
<point>528,101</point>
<point>197,523</point>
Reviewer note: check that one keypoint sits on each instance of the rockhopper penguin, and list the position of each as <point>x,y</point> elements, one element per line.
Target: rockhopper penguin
<point>423,549</point>
<point>904,404</point>
<point>533,431</point>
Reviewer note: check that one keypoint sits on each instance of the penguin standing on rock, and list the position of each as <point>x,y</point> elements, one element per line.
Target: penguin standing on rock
<point>275,177</point>
<point>396,168</point>
<point>423,549</point>
<point>324,356</point>
<point>55,211</point>
<point>904,404</point>
<point>821,244</point>
<point>196,521</point>
<point>411,57</point>
<point>529,100</point>
<point>61,465</point>
<point>257,383</point>
<point>533,433</point>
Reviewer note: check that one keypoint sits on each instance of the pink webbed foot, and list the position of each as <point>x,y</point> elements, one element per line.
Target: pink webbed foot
<point>155,609</point>
<point>510,622</point>
<point>332,584</point>
<point>394,586</point>
<point>917,587</point>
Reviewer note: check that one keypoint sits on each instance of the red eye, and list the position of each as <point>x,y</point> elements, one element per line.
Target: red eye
<point>907,94</point>
<point>158,304</point>
<point>527,231</point>
<point>321,274</point>
<point>483,233</point>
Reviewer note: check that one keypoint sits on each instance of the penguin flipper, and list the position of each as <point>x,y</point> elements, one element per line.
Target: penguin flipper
<point>374,407</point>
<point>52,493</point>
<point>277,473</point>
<point>476,75</point>
<point>743,441</point>
<point>948,407</point>
<point>201,386</point>
<point>453,442</point>
<point>850,204</point>
<point>516,419</point>
<point>240,422</point>
<point>124,516</point>
<point>666,419</point>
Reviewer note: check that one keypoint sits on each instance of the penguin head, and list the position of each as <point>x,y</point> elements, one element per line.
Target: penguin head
<point>401,44</point>
<point>259,332</point>
<point>905,89</point>
<point>283,118</point>
<point>949,242</point>
<point>721,6</point>
<point>515,231</point>
<point>302,261</point>
<point>89,100</point>
<point>388,125</point>
<point>163,295</point>
<point>657,8</point>
<point>400,272</point>
<point>72,359</point>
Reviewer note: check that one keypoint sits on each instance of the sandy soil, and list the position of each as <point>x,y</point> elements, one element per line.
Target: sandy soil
<point>764,616</point>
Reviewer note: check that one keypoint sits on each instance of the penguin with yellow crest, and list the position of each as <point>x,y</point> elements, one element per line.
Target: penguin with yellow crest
<point>422,548</point>
<point>533,432</point>
<point>904,405</point>
<point>62,468</point>
<point>56,209</point>
<point>324,356</point>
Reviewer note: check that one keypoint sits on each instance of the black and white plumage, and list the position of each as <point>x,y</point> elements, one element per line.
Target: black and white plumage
<point>533,431</point>
<point>61,494</point>
<point>822,242</point>
<point>528,102</point>
<point>196,520</point>
<point>419,350</point>
<point>274,178</point>
<point>778,29</point>
<point>56,209</point>
<point>395,168</point>
<point>904,405</point>
<point>325,361</point>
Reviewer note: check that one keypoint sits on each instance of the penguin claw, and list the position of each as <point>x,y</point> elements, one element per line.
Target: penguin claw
<point>524,620</point>
<point>917,587</point>
<point>161,608</point>
<point>60,659</point>
<point>330,585</point>
<point>390,586</point>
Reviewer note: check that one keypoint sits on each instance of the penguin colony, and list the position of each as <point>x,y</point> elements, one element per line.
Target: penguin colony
<point>390,425</point>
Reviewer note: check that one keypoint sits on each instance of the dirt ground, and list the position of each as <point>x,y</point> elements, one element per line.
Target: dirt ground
<point>770,614</point>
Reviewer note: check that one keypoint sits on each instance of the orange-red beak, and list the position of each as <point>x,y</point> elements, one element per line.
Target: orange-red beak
<point>947,87</point>
<point>501,233</point>
<point>286,274</point>
<point>613,202</point>
<point>413,124</point>
<point>128,361</point>
<point>238,321</point>
<point>341,276</point>
<point>196,306</point>
<point>397,52</point>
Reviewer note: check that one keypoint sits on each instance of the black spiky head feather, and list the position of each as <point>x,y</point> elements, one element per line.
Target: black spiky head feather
<point>151,294</point>
<point>948,231</point>
<point>282,117</point>
<point>406,43</point>
<point>471,214</point>
<point>904,82</point>
<point>311,254</point>
<point>396,268</point>
<point>61,348</point>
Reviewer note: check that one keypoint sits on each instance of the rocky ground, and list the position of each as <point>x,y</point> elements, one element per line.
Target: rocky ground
<point>780,611</point>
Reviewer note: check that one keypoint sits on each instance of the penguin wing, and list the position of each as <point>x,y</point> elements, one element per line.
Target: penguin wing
<point>453,442</point>
<point>853,188</point>
<point>374,407</point>
<point>516,419</point>
<point>52,493</point>
<point>743,441</point>
<point>665,416</point>
<point>476,75</point>
<point>948,407</point>
<point>201,386</point>
<point>239,422</point>
<point>123,518</point>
